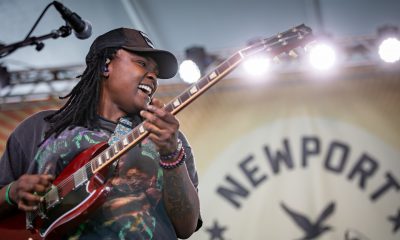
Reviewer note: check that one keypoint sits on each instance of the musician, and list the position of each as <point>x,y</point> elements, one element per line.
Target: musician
<point>154,185</point>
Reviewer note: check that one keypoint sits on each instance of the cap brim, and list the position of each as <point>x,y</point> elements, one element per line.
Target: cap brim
<point>166,61</point>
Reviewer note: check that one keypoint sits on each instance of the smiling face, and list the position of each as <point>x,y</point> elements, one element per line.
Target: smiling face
<point>132,79</point>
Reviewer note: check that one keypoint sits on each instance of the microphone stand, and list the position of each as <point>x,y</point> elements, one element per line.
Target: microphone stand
<point>63,31</point>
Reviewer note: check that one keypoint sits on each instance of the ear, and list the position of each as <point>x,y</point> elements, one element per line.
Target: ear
<point>105,68</point>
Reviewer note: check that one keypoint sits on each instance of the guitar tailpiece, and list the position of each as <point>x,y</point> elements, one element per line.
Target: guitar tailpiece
<point>28,222</point>
<point>41,211</point>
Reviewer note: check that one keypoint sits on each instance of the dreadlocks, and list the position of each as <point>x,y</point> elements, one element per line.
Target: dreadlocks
<point>81,106</point>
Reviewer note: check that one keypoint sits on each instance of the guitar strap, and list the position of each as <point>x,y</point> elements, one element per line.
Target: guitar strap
<point>124,126</point>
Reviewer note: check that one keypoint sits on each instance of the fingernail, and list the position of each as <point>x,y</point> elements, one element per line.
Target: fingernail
<point>151,107</point>
<point>141,113</point>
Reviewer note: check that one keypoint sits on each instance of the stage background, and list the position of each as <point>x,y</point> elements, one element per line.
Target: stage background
<point>295,156</point>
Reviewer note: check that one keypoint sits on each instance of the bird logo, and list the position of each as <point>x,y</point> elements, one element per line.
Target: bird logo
<point>311,230</point>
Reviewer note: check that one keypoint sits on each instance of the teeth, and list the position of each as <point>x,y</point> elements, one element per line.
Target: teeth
<point>145,89</point>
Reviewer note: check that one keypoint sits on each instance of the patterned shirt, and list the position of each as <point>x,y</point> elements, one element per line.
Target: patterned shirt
<point>134,208</point>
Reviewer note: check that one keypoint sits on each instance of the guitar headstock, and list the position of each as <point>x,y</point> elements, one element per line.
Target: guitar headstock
<point>295,37</point>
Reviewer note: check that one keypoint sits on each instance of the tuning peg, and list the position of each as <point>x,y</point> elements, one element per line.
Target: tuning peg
<point>276,59</point>
<point>300,36</point>
<point>292,53</point>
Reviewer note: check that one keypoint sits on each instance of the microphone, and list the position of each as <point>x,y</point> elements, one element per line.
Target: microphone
<point>82,28</point>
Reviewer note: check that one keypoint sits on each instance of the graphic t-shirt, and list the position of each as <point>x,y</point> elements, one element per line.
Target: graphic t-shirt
<point>134,208</point>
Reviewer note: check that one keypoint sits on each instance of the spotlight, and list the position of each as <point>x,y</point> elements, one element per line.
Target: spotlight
<point>322,56</point>
<point>389,50</point>
<point>197,60</point>
<point>389,46</point>
<point>189,71</point>
<point>257,66</point>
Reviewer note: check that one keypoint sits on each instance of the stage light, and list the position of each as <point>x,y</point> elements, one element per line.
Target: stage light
<point>257,66</point>
<point>198,57</point>
<point>389,44</point>
<point>389,50</point>
<point>322,56</point>
<point>189,71</point>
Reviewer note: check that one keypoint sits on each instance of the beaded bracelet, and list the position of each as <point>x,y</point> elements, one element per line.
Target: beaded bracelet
<point>174,154</point>
<point>8,199</point>
<point>179,161</point>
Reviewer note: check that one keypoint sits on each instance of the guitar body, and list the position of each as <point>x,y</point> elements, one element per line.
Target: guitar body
<point>73,208</point>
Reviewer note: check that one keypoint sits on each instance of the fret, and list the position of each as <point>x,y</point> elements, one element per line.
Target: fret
<point>193,89</point>
<point>212,75</point>
<point>107,154</point>
<point>176,103</point>
<point>100,160</point>
<point>116,148</point>
<point>93,165</point>
<point>141,129</point>
<point>125,141</point>
<point>96,163</point>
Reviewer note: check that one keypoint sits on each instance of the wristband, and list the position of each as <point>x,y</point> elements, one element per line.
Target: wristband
<point>8,200</point>
<point>174,154</point>
<point>179,161</point>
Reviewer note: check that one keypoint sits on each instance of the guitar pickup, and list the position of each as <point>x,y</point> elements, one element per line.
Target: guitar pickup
<point>51,198</point>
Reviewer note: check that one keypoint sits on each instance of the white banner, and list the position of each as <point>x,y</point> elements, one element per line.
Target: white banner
<point>302,178</point>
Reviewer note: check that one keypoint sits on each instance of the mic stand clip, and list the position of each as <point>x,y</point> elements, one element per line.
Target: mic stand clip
<point>63,31</point>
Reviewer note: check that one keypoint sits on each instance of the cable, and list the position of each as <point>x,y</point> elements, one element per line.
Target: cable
<point>37,21</point>
<point>30,32</point>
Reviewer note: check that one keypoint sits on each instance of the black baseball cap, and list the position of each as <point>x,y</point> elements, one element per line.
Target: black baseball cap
<point>135,41</point>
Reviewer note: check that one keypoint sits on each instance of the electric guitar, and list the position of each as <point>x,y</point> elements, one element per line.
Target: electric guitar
<point>81,187</point>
